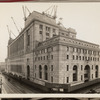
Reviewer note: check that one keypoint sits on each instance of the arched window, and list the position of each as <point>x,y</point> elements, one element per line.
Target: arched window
<point>96,71</point>
<point>75,68</point>
<point>74,73</point>
<point>40,71</point>
<point>86,73</point>
<point>28,72</point>
<point>45,72</point>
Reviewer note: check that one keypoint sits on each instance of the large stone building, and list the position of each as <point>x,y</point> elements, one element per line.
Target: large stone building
<point>49,55</point>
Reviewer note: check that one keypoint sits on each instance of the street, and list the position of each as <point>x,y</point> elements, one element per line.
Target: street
<point>86,90</point>
<point>13,86</point>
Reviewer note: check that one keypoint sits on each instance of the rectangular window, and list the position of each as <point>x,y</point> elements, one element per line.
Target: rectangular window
<point>91,58</point>
<point>54,35</point>
<point>51,67</point>
<point>54,30</point>
<point>81,77</point>
<point>92,66</point>
<point>67,67</point>
<point>40,32</point>
<point>79,50</point>
<point>76,49</point>
<point>85,75</point>
<point>83,57</point>
<point>41,57</point>
<point>35,75</point>
<point>76,57</point>
<point>92,75</point>
<point>35,58</point>
<point>38,58</point>
<point>83,51</point>
<point>47,38</point>
<point>73,49</point>
<point>86,58</point>
<point>46,76</point>
<point>41,27</point>
<point>74,77</point>
<point>47,34</point>
<point>49,49</point>
<point>94,52</point>
<point>98,53</point>
<point>73,57</point>
<point>40,72</point>
<point>80,57</point>
<point>67,56</point>
<point>67,48</point>
<point>28,37</point>
<point>67,79</point>
<point>28,40</point>
<point>90,52</point>
<point>47,28</point>
<point>81,67</point>
<point>51,78</point>
<point>44,57</point>
<point>41,51</point>
<point>51,56</point>
<point>35,66</point>
<point>47,57</point>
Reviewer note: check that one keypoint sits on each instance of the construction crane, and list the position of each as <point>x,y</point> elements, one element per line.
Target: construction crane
<point>60,23</point>
<point>53,10</point>
<point>24,12</point>
<point>28,10</point>
<point>15,24</point>
<point>10,32</point>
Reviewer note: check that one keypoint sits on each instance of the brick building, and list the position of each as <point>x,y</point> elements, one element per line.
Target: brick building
<point>51,56</point>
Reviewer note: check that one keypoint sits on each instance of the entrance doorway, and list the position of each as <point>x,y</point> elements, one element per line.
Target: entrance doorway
<point>28,72</point>
<point>86,73</point>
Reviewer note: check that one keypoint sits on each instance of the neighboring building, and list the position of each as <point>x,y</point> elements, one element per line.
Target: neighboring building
<point>2,66</point>
<point>48,54</point>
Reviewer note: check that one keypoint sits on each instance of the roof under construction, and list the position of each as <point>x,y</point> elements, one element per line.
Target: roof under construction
<point>40,17</point>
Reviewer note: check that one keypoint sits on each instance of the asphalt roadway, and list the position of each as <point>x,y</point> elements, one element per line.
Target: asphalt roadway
<point>13,86</point>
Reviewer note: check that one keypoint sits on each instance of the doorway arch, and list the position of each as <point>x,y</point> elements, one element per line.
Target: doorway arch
<point>40,71</point>
<point>45,72</point>
<point>86,73</point>
<point>28,72</point>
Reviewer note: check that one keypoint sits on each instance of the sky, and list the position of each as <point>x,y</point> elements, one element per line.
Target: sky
<point>83,17</point>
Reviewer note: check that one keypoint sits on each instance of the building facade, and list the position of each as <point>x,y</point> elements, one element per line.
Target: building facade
<point>50,55</point>
<point>2,66</point>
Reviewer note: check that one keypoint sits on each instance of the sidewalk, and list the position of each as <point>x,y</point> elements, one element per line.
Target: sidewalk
<point>3,90</point>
